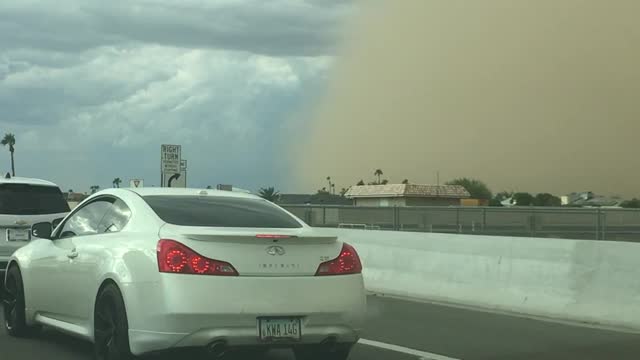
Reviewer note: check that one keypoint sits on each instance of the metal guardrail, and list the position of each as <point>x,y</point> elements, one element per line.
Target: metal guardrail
<point>571,223</point>
<point>358,226</point>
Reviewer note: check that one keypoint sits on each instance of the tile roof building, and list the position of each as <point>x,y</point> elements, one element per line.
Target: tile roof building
<point>407,195</point>
<point>312,199</point>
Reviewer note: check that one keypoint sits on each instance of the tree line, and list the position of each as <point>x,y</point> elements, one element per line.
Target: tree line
<point>479,190</point>
<point>476,188</point>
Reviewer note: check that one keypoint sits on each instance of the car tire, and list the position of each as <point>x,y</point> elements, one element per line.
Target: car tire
<point>111,327</point>
<point>318,352</point>
<point>13,304</point>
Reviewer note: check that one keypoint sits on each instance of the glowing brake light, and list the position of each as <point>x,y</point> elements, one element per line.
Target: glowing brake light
<point>272,236</point>
<point>174,257</point>
<point>348,262</point>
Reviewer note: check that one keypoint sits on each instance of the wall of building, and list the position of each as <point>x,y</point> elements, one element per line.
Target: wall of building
<point>474,202</point>
<point>380,202</point>
<point>384,202</point>
<point>432,202</point>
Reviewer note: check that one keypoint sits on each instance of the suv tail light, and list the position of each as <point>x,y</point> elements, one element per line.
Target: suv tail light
<point>174,257</point>
<point>348,262</point>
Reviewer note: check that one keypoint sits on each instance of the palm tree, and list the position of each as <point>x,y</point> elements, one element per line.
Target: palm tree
<point>10,139</point>
<point>378,173</point>
<point>329,180</point>
<point>405,181</point>
<point>269,193</point>
<point>70,190</point>
<point>94,188</point>
<point>360,183</point>
<point>117,182</point>
<point>333,189</point>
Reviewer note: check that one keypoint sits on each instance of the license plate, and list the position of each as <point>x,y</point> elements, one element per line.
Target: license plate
<point>18,235</point>
<point>271,329</point>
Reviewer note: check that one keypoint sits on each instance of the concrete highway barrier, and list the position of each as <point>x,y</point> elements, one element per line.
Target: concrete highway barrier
<point>577,280</point>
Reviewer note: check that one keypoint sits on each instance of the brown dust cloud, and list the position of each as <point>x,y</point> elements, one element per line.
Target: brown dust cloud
<point>537,96</point>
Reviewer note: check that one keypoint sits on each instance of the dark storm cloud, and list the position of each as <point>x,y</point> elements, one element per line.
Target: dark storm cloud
<point>276,28</point>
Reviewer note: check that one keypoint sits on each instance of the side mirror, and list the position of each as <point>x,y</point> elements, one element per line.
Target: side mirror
<point>56,222</point>
<point>41,230</point>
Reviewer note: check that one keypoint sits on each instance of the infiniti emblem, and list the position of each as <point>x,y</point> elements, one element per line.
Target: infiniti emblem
<point>275,250</point>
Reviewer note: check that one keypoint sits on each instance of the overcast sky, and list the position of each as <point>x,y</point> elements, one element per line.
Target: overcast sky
<point>91,89</point>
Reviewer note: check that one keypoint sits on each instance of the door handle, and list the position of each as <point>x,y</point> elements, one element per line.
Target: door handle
<point>72,255</point>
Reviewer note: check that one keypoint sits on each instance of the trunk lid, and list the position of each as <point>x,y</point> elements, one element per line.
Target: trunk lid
<point>22,223</point>
<point>259,251</point>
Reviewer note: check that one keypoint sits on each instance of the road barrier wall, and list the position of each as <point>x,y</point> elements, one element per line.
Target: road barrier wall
<point>578,280</point>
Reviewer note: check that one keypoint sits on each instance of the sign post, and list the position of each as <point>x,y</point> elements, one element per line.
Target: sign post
<point>136,183</point>
<point>179,179</point>
<point>182,180</point>
<point>170,159</point>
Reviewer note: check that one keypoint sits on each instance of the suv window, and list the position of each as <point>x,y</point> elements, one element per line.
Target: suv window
<point>85,221</point>
<point>116,217</point>
<point>26,199</point>
<point>218,211</point>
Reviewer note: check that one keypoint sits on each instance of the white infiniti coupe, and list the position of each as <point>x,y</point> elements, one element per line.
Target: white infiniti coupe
<point>138,271</point>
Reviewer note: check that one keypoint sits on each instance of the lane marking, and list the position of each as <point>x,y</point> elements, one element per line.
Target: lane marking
<point>423,355</point>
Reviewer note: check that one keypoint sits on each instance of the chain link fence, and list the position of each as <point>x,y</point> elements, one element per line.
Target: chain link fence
<point>570,223</point>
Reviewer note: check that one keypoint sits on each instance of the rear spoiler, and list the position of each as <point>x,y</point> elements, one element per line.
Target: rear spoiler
<point>243,235</point>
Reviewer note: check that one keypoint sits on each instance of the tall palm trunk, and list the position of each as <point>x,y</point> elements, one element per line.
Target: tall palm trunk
<point>13,168</point>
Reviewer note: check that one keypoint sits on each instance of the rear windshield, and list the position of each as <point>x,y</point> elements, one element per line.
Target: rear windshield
<point>216,211</point>
<point>25,199</point>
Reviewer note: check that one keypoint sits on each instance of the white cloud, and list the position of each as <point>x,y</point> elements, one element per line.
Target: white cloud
<point>98,86</point>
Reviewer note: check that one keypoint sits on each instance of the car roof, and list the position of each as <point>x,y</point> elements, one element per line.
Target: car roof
<point>156,191</point>
<point>24,180</point>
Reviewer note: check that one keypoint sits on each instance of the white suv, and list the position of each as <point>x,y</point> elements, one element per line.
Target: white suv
<point>24,202</point>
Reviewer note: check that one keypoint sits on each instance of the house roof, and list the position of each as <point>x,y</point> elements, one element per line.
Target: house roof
<point>407,190</point>
<point>596,201</point>
<point>326,199</point>
<point>75,196</point>
<point>287,199</point>
<point>588,198</point>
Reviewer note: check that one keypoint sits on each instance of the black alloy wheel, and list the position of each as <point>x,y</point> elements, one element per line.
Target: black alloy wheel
<point>13,305</point>
<point>111,329</point>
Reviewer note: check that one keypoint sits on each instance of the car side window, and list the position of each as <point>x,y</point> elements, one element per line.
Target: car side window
<point>116,217</point>
<point>86,220</point>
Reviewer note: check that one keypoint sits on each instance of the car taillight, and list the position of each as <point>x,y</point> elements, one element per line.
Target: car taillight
<point>348,262</point>
<point>174,257</point>
<point>272,236</point>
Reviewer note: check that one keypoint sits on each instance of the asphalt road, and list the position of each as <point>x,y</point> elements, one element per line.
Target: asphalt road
<point>406,330</point>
